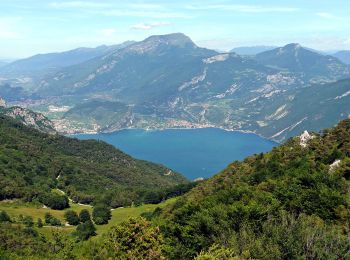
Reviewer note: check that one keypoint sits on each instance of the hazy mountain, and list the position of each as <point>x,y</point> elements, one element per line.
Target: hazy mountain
<point>343,56</point>
<point>53,61</point>
<point>168,81</point>
<point>309,64</point>
<point>3,63</point>
<point>252,50</point>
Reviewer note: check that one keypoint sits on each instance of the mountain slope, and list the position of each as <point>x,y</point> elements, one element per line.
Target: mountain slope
<point>343,56</point>
<point>33,163</point>
<point>292,202</point>
<point>311,108</point>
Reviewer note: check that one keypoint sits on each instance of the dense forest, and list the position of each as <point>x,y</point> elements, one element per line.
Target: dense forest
<point>290,203</point>
<point>33,163</point>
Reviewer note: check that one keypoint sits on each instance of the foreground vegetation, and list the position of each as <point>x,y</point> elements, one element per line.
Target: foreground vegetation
<point>290,203</point>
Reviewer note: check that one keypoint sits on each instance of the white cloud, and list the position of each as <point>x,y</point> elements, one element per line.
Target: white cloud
<point>148,14</point>
<point>108,32</point>
<point>244,8</point>
<point>78,4</point>
<point>325,15</point>
<point>149,26</point>
<point>8,29</point>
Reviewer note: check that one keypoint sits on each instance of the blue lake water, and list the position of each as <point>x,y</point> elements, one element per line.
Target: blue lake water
<point>193,152</point>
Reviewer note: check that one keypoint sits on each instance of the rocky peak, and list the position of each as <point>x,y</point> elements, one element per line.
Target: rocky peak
<point>153,42</point>
<point>2,102</point>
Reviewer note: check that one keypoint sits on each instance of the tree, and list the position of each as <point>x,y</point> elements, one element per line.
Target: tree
<point>135,239</point>
<point>101,214</point>
<point>72,217</point>
<point>86,230</point>
<point>40,223</point>
<point>84,216</point>
<point>48,218</point>
<point>51,220</point>
<point>28,221</point>
<point>54,201</point>
<point>4,217</point>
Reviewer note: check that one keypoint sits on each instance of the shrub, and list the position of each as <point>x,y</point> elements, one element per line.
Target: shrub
<point>72,217</point>
<point>101,214</point>
<point>28,221</point>
<point>86,230</point>
<point>84,216</point>
<point>54,201</point>
<point>4,217</point>
<point>40,223</point>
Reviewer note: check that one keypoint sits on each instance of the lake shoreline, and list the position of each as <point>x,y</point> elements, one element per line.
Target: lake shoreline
<point>171,128</point>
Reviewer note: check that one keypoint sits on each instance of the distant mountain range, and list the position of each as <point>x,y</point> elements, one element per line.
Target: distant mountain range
<point>343,56</point>
<point>168,81</point>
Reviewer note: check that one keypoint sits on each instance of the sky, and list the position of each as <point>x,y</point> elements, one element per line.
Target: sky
<point>28,27</point>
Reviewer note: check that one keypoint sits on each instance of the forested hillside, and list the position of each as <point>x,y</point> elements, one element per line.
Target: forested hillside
<point>291,203</point>
<point>33,163</point>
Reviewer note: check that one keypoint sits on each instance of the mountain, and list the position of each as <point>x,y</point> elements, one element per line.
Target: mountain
<point>52,61</point>
<point>167,81</point>
<point>310,65</point>
<point>27,73</point>
<point>290,203</point>
<point>252,50</point>
<point>343,56</point>
<point>2,63</point>
<point>34,163</point>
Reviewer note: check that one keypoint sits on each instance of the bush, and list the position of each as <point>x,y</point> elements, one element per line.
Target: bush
<point>54,201</point>
<point>40,223</point>
<point>28,221</point>
<point>72,217</point>
<point>4,217</point>
<point>85,230</point>
<point>84,216</point>
<point>51,220</point>
<point>101,214</point>
<point>134,239</point>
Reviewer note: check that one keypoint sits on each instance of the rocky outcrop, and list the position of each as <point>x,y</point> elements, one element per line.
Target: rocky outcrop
<point>29,118</point>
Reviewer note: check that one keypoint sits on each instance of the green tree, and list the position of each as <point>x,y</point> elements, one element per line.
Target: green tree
<point>86,230</point>
<point>4,217</point>
<point>101,214</point>
<point>84,216</point>
<point>72,217</point>
<point>135,239</point>
<point>40,223</point>
<point>28,221</point>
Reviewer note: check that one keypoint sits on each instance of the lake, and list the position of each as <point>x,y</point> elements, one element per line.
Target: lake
<point>193,152</point>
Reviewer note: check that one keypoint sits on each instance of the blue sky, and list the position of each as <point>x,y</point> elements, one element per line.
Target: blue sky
<point>28,27</point>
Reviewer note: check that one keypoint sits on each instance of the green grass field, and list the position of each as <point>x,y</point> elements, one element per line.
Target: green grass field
<point>35,210</point>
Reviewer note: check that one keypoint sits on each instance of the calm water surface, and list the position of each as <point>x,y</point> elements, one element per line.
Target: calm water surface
<point>193,152</point>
